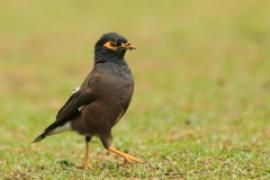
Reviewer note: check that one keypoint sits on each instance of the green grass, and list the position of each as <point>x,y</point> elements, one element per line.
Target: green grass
<point>201,104</point>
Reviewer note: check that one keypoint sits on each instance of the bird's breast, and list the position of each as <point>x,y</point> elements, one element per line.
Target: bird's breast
<point>117,88</point>
<point>113,87</point>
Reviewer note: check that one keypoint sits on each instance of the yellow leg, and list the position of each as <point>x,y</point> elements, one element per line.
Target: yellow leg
<point>87,158</point>
<point>127,157</point>
<point>86,161</point>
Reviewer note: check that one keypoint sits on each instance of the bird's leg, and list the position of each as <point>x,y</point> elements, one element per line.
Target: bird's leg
<point>127,157</point>
<point>86,161</point>
<point>87,158</point>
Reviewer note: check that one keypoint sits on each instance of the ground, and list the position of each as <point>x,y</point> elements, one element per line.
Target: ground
<point>201,104</point>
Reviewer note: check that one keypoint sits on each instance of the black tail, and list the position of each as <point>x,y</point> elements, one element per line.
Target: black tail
<point>48,130</point>
<point>45,133</point>
<point>40,137</point>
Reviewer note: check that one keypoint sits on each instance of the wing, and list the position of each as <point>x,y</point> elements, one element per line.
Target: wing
<point>74,103</point>
<point>69,110</point>
<point>81,97</point>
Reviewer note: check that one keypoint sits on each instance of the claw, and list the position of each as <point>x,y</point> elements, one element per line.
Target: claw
<point>83,167</point>
<point>127,157</point>
<point>133,159</point>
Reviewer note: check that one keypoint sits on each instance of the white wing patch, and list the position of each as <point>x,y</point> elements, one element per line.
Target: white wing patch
<point>75,90</point>
<point>61,129</point>
<point>80,108</point>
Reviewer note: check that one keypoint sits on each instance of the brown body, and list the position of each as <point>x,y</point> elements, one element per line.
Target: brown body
<point>102,99</point>
<point>113,84</point>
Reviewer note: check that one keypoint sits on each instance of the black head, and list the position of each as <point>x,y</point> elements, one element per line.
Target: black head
<point>112,46</point>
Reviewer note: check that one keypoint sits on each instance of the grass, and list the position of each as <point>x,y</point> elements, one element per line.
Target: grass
<point>201,104</point>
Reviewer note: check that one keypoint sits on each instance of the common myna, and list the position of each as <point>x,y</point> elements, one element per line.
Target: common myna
<point>102,99</point>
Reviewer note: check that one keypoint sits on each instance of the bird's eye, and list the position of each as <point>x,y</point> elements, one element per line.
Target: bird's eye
<point>113,44</point>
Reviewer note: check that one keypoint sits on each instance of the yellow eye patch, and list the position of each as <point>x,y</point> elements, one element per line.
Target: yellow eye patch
<point>111,45</point>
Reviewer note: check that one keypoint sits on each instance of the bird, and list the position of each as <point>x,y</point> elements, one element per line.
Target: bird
<point>101,100</point>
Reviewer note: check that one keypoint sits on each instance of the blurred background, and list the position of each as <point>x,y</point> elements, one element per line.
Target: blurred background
<point>201,74</point>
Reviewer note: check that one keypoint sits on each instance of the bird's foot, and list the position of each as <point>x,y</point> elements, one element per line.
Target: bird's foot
<point>83,167</point>
<point>131,159</point>
<point>127,157</point>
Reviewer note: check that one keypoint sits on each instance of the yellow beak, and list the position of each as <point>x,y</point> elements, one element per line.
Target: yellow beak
<point>128,46</point>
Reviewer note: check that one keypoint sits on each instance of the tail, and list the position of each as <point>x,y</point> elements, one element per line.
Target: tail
<point>39,137</point>
<point>55,128</point>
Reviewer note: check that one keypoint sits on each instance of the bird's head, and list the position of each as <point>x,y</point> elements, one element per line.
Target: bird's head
<point>112,46</point>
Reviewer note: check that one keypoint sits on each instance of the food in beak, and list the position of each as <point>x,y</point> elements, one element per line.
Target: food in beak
<point>128,46</point>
